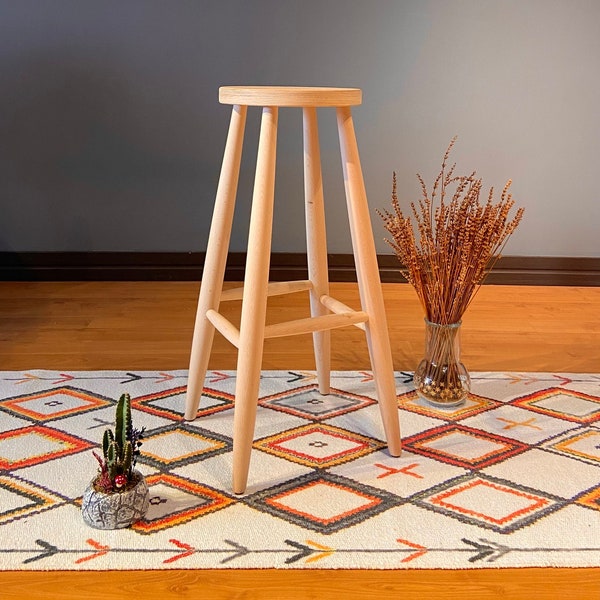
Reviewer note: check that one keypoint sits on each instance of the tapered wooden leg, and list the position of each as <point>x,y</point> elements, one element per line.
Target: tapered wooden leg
<point>316,243</point>
<point>254,302</point>
<point>369,282</point>
<point>216,258</point>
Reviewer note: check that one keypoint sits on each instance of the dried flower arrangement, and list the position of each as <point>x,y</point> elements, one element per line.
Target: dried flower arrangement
<point>455,243</point>
<point>446,253</point>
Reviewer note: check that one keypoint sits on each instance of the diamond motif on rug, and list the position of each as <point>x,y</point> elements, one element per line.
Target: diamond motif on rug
<point>473,405</point>
<point>174,500</point>
<point>490,502</point>
<point>170,403</point>
<point>309,403</point>
<point>591,499</point>
<point>463,446</point>
<point>19,498</point>
<point>323,502</point>
<point>318,445</point>
<point>32,445</point>
<point>178,445</point>
<point>54,403</point>
<point>519,424</point>
<point>583,445</point>
<point>565,404</point>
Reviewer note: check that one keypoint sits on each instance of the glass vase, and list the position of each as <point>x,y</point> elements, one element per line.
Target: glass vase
<point>441,379</point>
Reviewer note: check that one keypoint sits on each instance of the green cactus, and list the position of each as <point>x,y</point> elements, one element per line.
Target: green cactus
<point>117,447</point>
<point>123,420</point>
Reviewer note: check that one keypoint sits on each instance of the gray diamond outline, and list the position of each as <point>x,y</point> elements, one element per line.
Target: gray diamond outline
<point>420,498</point>
<point>350,404</point>
<point>194,431</point>
<point>258,502</point>
<point>104,401</point>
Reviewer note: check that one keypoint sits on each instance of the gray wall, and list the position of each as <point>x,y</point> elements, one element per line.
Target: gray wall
<point>111,135</point>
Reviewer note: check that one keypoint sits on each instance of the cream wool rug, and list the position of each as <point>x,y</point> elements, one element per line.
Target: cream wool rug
<point>510,479</point>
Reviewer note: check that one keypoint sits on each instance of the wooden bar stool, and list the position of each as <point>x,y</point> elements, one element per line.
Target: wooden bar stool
<point>326,312</point>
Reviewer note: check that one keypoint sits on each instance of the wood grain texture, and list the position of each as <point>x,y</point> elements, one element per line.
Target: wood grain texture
<point>145,325</point>
<point>254,305</point>
<point>216,258</point>
<point>289,96</point>
<point>369,282</point>
<point>316,242</point>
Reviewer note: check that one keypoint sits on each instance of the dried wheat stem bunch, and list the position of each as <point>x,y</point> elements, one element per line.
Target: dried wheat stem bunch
<point>450,240</point>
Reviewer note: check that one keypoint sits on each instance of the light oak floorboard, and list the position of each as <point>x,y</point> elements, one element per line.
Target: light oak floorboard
<point>147,325</point>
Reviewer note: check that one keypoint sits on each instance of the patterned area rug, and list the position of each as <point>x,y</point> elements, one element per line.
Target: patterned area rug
<point>510,479</point>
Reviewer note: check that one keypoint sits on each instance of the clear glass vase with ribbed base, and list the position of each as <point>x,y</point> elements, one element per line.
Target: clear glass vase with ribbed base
<point>441,379</point>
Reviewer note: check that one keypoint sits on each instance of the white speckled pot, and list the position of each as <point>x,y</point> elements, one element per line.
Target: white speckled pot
<point>118,510</point>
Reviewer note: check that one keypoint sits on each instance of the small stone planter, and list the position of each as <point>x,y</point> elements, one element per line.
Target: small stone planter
<point>116,510</point>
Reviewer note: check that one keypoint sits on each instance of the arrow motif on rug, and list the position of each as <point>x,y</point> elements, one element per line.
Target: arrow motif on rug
<point>129,378</point>
<point>317,552</point>
<point>420,550</point>
<point>216,376</point>
<point>187,550</point>
<point>63,378</point>
<point>325,552</point>
<point>481,550</point>
<point>304,552</point>
<point>165,377</point>
<point>531,379</point>
<point>238,551</point>
<point>132,377</point>
<point>300,376</point>
<point>513,378</point>
<point>405,377</point>
<point>521,379</point>
<point>26,378</point>
<point>49,550</point>
<point>100,551</point>
<point>487,549</point>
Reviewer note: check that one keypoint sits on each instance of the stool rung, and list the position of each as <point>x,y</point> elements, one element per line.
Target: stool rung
<point>337,307</point>
<point>311,324</point>
<point>232,334</point>
<point>276,288</point>
<point>229,331</point>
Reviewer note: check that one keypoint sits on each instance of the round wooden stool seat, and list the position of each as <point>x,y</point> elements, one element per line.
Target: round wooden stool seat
<point>290,96</point>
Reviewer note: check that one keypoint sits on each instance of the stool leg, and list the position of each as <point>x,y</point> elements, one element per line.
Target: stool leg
<point>216,258</point>
<point>369,282</point>
<point>316,243</point>
<point>254,301</point>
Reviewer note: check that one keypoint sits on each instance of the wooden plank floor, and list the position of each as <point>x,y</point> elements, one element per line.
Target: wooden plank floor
<point>146,325</point>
